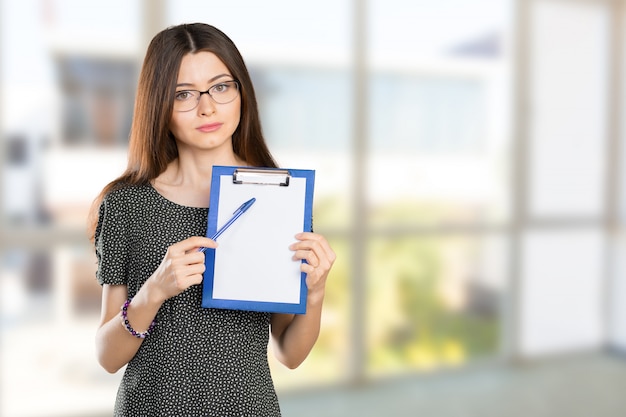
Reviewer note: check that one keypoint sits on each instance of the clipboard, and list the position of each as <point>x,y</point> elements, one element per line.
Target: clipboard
<point>252,269</point>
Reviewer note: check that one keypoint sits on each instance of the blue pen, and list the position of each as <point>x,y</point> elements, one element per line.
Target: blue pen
<point>237,213</point>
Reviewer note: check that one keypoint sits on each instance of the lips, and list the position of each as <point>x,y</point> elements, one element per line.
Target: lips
<point>211,127</point>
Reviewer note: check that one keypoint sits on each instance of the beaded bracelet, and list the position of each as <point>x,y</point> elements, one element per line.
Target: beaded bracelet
<point>140,335</point>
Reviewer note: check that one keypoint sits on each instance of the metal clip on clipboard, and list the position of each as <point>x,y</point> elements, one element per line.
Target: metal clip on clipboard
<point>278,177</point>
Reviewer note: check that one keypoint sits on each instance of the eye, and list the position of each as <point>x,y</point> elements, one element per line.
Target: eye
<point>220,88</point>
<point>183,95</point>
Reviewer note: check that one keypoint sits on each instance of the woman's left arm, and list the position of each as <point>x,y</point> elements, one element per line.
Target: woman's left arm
<point>293,336</point>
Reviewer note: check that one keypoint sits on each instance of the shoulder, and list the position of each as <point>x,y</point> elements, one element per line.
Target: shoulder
<point>120,205</point>
<point>124,200</point>
<point>127,194</point>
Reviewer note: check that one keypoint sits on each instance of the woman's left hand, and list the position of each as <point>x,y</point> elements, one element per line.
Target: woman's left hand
<point>319,257</point>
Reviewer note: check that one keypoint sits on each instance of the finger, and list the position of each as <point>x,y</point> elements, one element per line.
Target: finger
<point>180,261</point>
<point>319,240</point>
<point>193,243</point>
<point>314,277</point>
<point>307,269</point>
<point>317,253</point>
<point>194,257</point>
<point>188,281</point>
<point>307,244</point>
<point>308,255</point>
<point>189,275</point>
<point>195,280</point>
<point>328,251</point>
<point>197,276</point>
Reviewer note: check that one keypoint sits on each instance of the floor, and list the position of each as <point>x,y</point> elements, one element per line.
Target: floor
<point>586,385</point>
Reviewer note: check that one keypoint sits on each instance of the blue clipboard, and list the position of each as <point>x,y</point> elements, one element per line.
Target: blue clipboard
<point>252,268</point>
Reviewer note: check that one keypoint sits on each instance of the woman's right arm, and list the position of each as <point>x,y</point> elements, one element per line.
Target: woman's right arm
<point>182,267</point>
<point>115,346</point>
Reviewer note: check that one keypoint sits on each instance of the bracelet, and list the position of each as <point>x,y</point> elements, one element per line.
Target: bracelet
<point>126,323</point>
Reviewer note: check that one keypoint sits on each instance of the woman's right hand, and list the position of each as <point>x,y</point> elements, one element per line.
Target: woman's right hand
<point>181,267</point>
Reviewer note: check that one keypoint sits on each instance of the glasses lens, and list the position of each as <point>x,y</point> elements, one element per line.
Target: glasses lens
<point>186,100</point>
<point>224,92</point>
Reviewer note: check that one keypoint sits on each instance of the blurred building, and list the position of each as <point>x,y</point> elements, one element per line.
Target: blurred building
<point>469,163</point>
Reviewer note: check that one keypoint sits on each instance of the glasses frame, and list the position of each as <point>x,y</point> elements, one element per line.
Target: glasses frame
<point>208,92</point>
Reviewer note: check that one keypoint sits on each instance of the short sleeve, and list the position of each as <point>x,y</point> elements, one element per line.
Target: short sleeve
<point>111,242</point>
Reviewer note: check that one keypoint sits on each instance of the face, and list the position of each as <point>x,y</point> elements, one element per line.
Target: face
<point>210,125</point>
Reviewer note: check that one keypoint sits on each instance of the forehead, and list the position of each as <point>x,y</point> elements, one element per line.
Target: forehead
<point>201,67</point>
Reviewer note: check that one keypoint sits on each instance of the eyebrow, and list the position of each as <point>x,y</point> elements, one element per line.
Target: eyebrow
<point>217,77</point>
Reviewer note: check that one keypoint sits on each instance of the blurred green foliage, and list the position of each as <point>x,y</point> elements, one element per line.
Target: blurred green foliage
<point>420,309</point>
<point>426,309</point>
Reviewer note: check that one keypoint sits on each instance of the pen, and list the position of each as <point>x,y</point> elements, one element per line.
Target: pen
<point>236,214</point>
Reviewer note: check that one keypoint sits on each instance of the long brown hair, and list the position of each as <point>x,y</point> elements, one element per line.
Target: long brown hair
<point>152,146</point>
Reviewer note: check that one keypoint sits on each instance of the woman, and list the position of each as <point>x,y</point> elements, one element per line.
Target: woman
<point>195,108</point>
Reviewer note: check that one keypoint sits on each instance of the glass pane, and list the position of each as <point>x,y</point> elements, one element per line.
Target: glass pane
<point>77,61</point>
<point>568,108</point>
<point>306,129</point>
<point>438,116</point>
<point>433,302</point>
<point>617,293</point>
<point>276,32</point>
<point>313,105</point>
<point>620,173</point>
<point>330,358</point>
<point>418,119</point>
<point>303,83</point>
<point>98,95</point>
<point>49,312</point>
<point>562,294</point>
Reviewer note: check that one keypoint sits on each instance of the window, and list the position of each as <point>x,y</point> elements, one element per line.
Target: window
<point>458,239</point>
<point>98,97</point>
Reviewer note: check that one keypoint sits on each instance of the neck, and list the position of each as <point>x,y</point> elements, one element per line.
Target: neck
<point>187,179</point>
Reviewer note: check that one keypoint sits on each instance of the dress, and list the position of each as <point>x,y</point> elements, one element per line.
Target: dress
<point>197,361</point>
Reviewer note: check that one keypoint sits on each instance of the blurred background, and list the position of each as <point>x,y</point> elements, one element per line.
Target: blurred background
<point>470,166</point>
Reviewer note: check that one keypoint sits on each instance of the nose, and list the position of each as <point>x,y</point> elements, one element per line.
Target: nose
<point>206,105</point>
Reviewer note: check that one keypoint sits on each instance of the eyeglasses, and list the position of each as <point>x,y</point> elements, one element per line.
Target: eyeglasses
<point>222,93</point>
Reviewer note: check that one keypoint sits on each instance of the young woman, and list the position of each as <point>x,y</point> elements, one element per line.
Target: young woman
<point>195,108</point>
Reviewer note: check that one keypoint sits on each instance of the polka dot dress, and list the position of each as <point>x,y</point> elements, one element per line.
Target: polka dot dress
<point>197,361</point>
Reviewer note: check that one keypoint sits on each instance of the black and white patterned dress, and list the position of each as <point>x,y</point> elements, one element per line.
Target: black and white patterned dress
<point>197,361</point>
